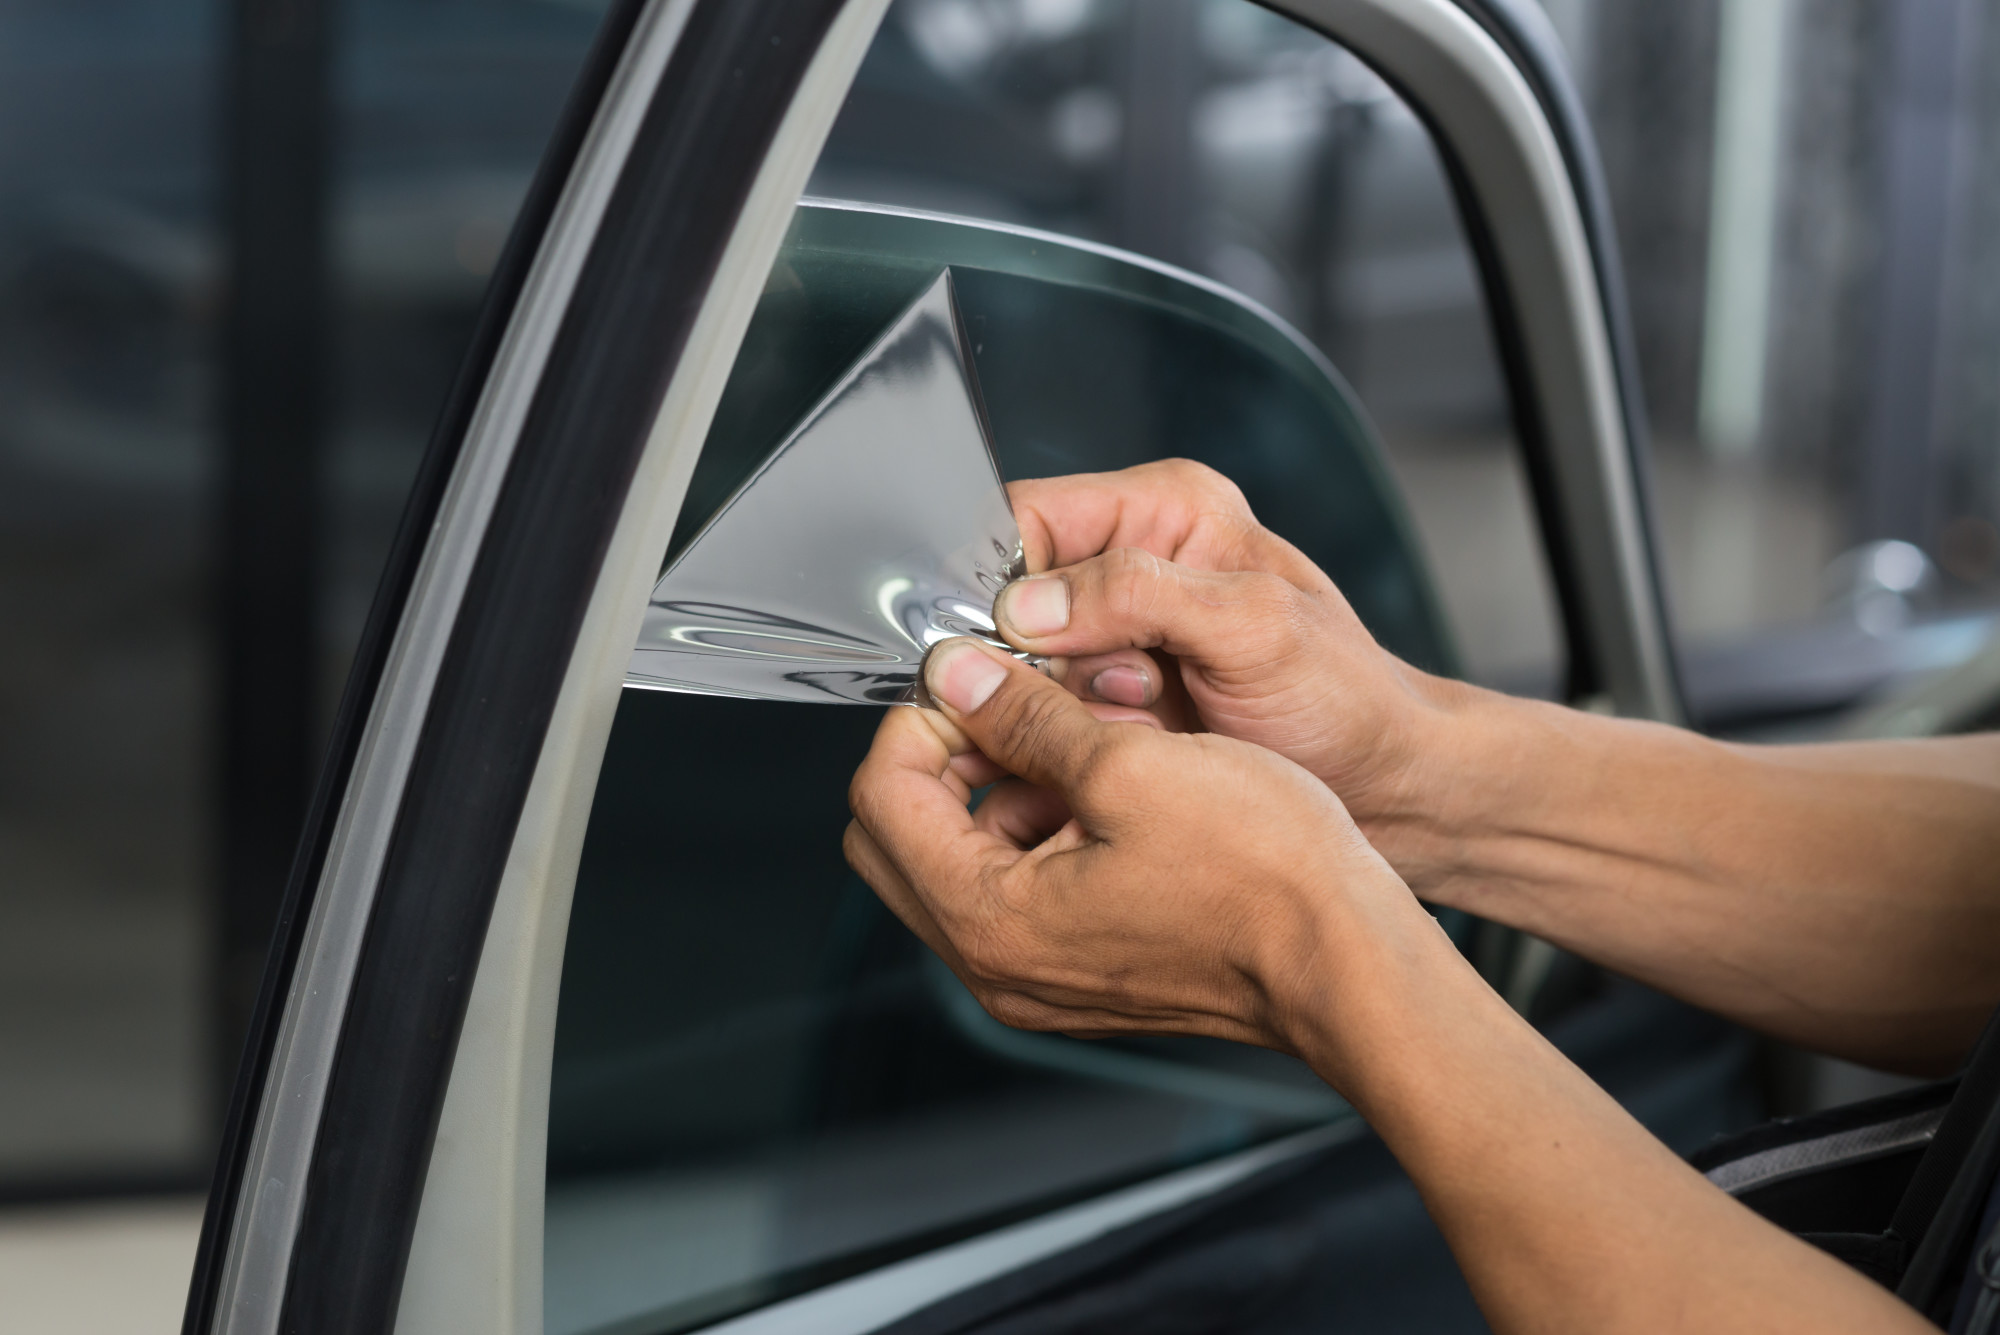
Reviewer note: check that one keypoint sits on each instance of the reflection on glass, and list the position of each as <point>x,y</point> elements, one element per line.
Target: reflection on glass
<point>878,528</point>
<point>110,287</point>
<point>106,374</point>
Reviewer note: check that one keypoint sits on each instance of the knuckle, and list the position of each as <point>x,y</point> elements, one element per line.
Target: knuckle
<point>1116,763</point>
<point>1211,486</point>
<point>1131,579</point>
<point>861,789</point>
<point>866,858</point>
<point>1268,597</point>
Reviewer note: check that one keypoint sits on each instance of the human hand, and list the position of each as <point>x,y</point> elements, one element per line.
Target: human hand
<point>1136,880</point>
<point>1156,587</point>
<point>1126,879</point>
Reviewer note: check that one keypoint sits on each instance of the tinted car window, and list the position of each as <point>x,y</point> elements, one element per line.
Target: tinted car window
<point>1221,137</point>
<point>762,1082</point>
<point>761,1079</point>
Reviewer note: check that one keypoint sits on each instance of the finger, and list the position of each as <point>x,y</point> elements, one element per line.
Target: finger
<point>1122,677</point>
<point>1130,677</point>
<point>1130,598</point>
<point>1027,723</point>
<point>974,770</point>
<point>910,804</point>
<point>1174,508</point>
<point>874,866</point>
<point>1156,505</point>
<point>1021,813</point>
<point>1104,713</point>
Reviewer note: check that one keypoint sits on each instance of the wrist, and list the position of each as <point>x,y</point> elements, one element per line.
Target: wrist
<point>1455,749</point>
<point>1378,975</point>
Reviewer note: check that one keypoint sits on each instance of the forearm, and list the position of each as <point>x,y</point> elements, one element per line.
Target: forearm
<point>1563,1212</point>
<point>1843,897</point>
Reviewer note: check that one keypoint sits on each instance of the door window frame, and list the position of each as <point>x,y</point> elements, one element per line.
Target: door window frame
<point>404,1033</point>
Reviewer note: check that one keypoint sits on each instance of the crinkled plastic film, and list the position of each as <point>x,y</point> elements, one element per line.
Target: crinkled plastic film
<point>879,527</point>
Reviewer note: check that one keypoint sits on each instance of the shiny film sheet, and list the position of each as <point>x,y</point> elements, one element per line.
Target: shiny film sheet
<point>876,529</point>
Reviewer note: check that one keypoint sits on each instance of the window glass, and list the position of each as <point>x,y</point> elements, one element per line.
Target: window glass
<point>1222,138</point>
<point>762,1082</point>
<point>1805,194</point>
<point>112,254</point>
<point>743,1030</point>
<point>106,253</point>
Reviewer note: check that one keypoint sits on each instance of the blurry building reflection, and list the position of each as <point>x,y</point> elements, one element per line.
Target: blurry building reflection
<point>112,264</point>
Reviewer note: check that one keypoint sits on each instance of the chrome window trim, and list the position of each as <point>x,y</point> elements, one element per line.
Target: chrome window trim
<point>873,1300</point>
<point>258,1260</point>
<point>1228,295</point>
<point>1488,117</point>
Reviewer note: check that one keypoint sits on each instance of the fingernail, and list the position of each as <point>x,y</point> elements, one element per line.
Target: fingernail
<point>962,675</point>
<point>1123,686</point>
<point>1036,606</point>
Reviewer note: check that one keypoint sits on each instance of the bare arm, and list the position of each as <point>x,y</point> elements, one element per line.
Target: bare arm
<point>1845,897</point>
<point>1145,881</point>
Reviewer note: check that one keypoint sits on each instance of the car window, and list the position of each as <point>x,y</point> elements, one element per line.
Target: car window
<point>744,1034</point>
<point>761,1081</point>
<point>1226,139</point>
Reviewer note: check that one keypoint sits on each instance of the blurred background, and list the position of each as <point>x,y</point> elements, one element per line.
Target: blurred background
<point>242,247</point>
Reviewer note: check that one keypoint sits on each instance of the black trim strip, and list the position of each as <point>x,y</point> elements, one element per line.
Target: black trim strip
<point>427,490</point>
<point>1941,1208</point>
<point>728,83</point>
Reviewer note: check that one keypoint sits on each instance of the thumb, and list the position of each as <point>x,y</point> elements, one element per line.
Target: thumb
<point>1022,721</point>
<point>1131,598</point>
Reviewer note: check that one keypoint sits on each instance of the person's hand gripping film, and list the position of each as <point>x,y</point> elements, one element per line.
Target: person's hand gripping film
<point>1156,587</point>
<point>1122,878</point>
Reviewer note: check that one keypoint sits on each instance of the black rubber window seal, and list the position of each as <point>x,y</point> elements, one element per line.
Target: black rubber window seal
<point>699,147</point>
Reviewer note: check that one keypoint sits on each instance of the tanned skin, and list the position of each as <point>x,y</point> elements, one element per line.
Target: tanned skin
<point>1220,813</point>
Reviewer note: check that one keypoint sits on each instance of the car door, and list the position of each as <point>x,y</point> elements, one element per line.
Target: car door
<point>575,1018</point>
